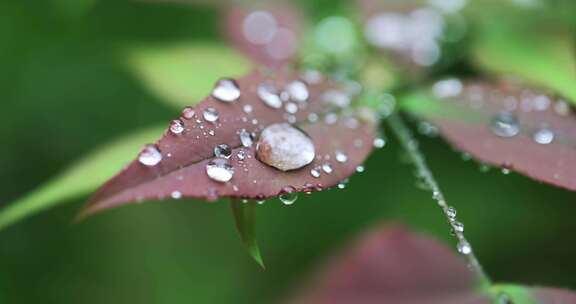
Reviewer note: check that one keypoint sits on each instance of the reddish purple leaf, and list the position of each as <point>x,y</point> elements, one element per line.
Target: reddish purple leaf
<point>182,172</point>
<point>269,35</point>
<point>505,125</point>
<point>392,265</point>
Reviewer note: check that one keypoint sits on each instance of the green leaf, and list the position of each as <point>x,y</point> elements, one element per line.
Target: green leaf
<point>245,218</point>
<point>81,178</point>
<point>183,74</point>
<point>543,59</point>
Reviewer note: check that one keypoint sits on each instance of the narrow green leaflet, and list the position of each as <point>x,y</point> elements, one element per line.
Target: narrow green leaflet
<point>546,60</point>
<point>80,178</point>
<point>183,74</point>
<point>245,218</point>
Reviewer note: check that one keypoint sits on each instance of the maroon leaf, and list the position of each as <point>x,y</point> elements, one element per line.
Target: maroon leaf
<point>269,35</point>
<point>505,125</point>
<point>188,146</point>
<point>392,265</point>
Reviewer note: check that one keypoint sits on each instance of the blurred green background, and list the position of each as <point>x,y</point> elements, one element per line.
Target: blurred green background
<point>65,90</point>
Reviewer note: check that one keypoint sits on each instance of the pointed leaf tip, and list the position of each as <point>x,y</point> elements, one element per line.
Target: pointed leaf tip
<point>245,220</point>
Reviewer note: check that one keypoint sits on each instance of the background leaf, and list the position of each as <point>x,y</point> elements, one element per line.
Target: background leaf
<point>391,264</point>
<point>545,59</point>
<point>182,74</point>
<point>80,178</point>
<point>504,124</point>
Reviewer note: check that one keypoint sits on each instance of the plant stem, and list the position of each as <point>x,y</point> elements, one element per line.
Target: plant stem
<point>410,144</point>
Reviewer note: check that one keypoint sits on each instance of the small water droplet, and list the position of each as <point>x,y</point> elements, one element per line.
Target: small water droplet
<point>312,117</point>
<point>176,195</point>
<point>176,127</point>
<point>315,173</point>
<point>561,108</point>
<point>211,115</point>
<point>505,171</point>
<point>226,90</point>
<point>284,147</point>
<point>331,118</point>
<point>220,170</point>
<point>211,132</point>
<point>428,129</point>
<point>379,143</point>
<point>269,95</point>
<point>457,226</point>
<point>484,168</point>
<point>291,107</point>
<point>341,185</point>
<point>327,168</point>
<point>222,151</point>
<point>451,212</point>
<point>505,124</point>
<point>245,138</point>
<point>298,91</point>
<point>260,202</point>
<point>150,156</point>
<point>503,298</point>
<point>241,155</point>
<point>288,195</point>
<point>436,195</point>
<point>360,169</point>
<point>341,157</point>
<point>464,248</point>
<point>247,109</point>
<point>188,113</point>
<point>543,136</point>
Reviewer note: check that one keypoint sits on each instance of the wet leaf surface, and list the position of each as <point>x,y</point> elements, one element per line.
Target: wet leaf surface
<point>390,264</point>
<point>269,34</point>
<point>188,166</point>
<point>505,125</point>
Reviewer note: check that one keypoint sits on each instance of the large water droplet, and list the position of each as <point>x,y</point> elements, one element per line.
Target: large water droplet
<point>150,156</point>
<point>220,170</point>
<point>226,90</point>
<point>285,147</point>
<point>176,127</point>
<point>222,151</point>
<point>298,91</point>
<point>211,115</point>
<point>269,95</point>
<point>245,138</point>
<point>505,124</point>
<point>288,195</point>
<point>543,136</point>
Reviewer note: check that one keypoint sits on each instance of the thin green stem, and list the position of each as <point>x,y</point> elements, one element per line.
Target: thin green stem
<point>410,144</point>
